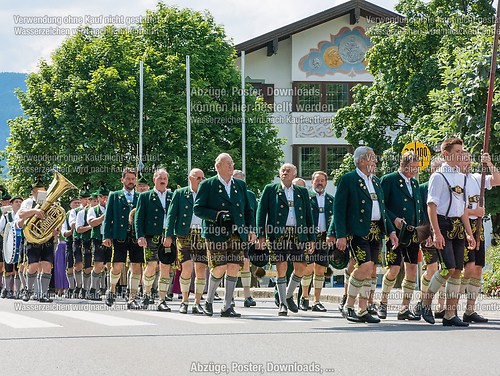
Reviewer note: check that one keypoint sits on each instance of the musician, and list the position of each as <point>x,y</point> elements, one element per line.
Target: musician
<point>150,222</point>
<point>475,259</point>
<point>446,203</point>
<point>227,225</point>
<point>116,233</point>
<point>404,207</point>
<point>11,270</point>
<point>322,212</point>
<point>186,227</point>
<point>246,275</point>
<point>360,219</point>
<point>429,251</point>
<point>39,255</point>
<point>83,229</point>
<point>67,232</point>
<point>101,255</point>
<point>284,219</point>
<point>84,196</point>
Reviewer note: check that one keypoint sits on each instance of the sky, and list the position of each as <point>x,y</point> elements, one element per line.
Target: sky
<point>21,51</point>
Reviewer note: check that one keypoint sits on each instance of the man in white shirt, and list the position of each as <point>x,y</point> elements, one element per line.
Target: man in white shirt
<point>474,259</point>
<point>446,204</point>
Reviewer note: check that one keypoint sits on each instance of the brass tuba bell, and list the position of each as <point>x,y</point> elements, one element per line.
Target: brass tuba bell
<point>38,230</point>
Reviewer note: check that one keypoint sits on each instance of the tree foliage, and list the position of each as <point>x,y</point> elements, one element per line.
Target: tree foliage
<point>81,110</point>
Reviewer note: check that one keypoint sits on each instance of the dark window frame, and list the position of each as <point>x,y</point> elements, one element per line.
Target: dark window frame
<point>296,156</point>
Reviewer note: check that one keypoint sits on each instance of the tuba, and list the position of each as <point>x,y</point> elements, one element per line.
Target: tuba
<point>38,230</point>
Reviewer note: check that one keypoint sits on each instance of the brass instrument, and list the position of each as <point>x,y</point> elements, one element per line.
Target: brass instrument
<point>38,230</point>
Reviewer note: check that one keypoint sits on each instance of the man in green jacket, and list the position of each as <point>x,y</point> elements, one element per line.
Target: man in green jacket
<point>186,227</point>
<point>228,226</point>
<point>117,234</point>
<point>404,207</point>
<point>360,219</point>
<point>150,221</point>
<point>284,219</point>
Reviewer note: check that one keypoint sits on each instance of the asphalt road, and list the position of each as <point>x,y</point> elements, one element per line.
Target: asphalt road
<point>78,337</point>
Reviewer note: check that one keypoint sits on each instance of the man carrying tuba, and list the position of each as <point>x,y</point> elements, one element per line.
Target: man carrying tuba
<point>38,254</point>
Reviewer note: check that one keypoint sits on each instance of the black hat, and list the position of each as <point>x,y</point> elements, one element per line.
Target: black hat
<point>339,259</point>
<point>6,196</point>
<point>258,257</point>
<point>85,191</point>
<point>142,180</point>
<point>16,197</point>
<point>103,190</point>
<point>38,182</point>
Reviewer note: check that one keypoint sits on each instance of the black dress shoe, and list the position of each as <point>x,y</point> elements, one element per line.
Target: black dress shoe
<point>209,309</point>
<point>439,314</point>
<point>408,315</point>
<point>163,307</point>
<point>3,295</point>
<point>198,309</point>
<point>382,311</point>
<point>350,315</point>
<point>418,309</point>
<point>304,304</point>
<point>69,293</point>
<point>454,321</point>
<point>249,302</point>
<point>474,317</point>
<point>183,308</point>
<point>372,309</point>
<point>145,301</point>
<point>169,298</point>
<point>134,305</point>
<point>342,303</point>
<point>427,314</point>
<point>45,299</point>
<point>318,307</point>
<point>369,318</point>
<point>76,294</point>
<point>26,295</point>
<point>10,294</point>
<point>230,312</point>
<point>283,310</point>
<point>291,305</point>
<point>217,297</point>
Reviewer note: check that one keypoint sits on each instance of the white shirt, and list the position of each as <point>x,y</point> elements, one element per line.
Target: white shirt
<point>408,183</point>
<point>473,189</point>
<point>163,200</point>
<point>26,205</point>
<point>291,220</point>
<point>91,215</point>
<point>195,221</point>
<point>226,185</point>
<point>322,216</point>
<point>439,193</point>
<point>80,219</point>
<point>376,215</point>
<point>127,193</point>
<point>72,216</point>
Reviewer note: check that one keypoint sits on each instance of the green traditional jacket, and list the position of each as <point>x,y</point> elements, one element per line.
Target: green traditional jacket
<point>398,200</point>
<point>273,209</point>
<point>352,208</point>
<point>213,198</point>
<point>149,216</point>
<point>180,213</point>
<point>117,213</point>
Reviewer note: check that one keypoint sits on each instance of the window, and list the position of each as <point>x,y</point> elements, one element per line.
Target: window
<point>322,96</point>
<point>266,91</point>
<point>310,158</point>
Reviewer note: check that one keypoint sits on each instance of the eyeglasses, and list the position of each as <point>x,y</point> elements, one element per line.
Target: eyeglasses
<point>199,178</point>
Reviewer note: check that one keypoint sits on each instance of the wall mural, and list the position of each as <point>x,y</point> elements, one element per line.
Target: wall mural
<point>344,53</point>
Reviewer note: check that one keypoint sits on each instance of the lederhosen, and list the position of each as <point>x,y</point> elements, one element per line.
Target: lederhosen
<point>477,256</point>
<point>40,252</point>
<point>129,246</point>
<point>322,249</point>
<point>191,247</point>
<point>84,253</point>
<point>100,253</point>
<point>367,248</point>
<point>452,229</point>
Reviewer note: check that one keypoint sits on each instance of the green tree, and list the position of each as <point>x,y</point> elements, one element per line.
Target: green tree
<point>81,110</point>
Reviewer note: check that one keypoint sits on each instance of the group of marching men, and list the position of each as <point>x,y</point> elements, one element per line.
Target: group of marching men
<point>217,222</point>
